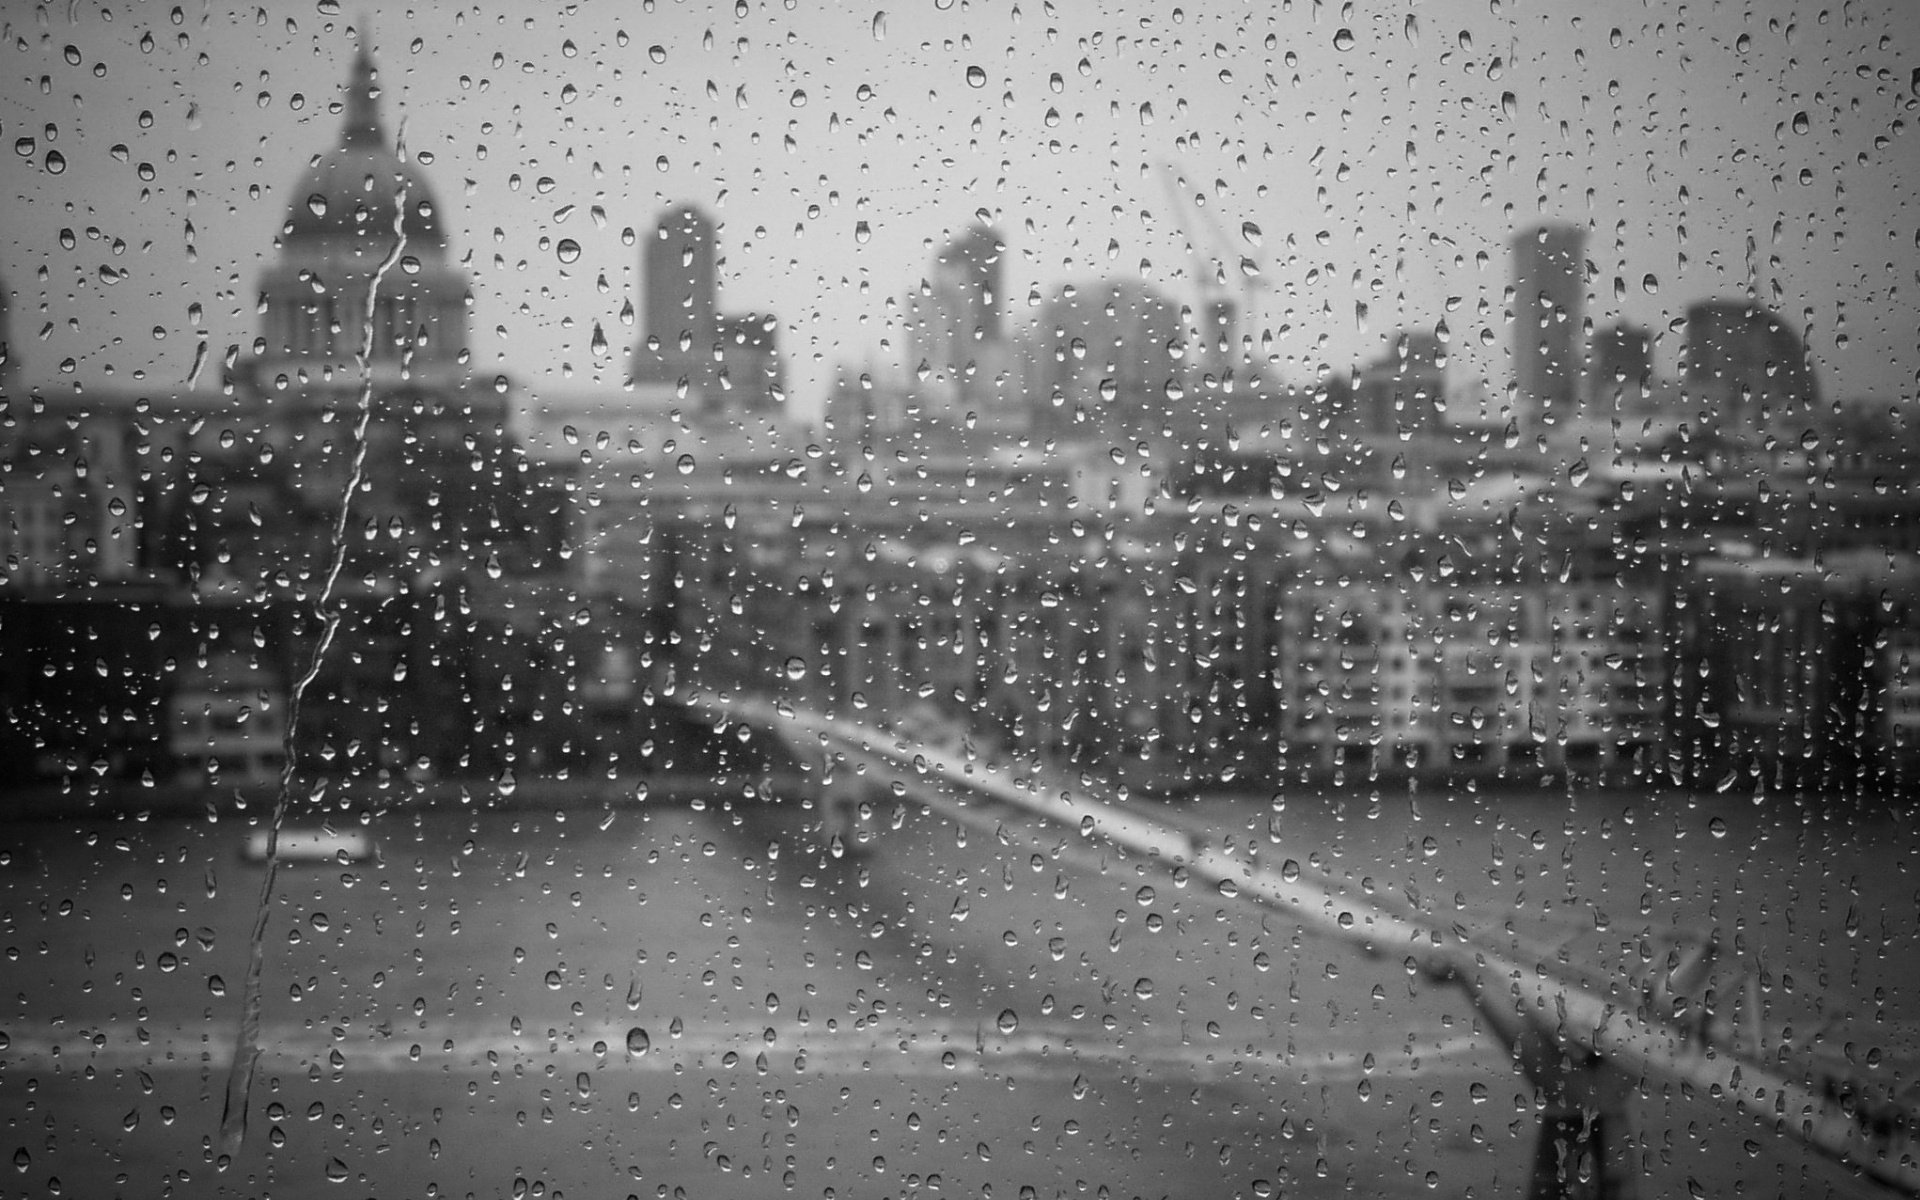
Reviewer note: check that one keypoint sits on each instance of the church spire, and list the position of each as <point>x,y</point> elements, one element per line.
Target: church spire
<point>363,104</point>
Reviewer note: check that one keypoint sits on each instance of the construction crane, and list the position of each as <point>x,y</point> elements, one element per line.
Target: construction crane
<point>1221,320</point>
<point>1566,1026</point>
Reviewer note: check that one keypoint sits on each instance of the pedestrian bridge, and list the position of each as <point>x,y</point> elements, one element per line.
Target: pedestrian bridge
<point>1683,1011</point>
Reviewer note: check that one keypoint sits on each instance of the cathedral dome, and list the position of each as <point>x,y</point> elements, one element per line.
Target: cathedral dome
<point>351,191</point>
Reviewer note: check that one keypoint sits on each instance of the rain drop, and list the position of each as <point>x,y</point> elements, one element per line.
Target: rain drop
<point>1008,1021</point>
<point>568,251</point>
<point>1343,40</point>
<point>638,1043</point>
<point>976,77</point>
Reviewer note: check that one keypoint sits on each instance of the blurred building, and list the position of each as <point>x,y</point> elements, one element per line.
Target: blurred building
<point>1747,371</point>
<point>957,349</point>
<point>1405,389</point>
<point>1108,360</point>
<point>729,365</point>
<point>680,312</point>
<point>1549,306</point>
<point>1622,371</point>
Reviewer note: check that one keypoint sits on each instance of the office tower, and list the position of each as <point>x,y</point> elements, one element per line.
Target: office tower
<point>1549,300</point>
<point>751,375</point>
<point>1107,355</point>
<point>680,325</point>
<point>956,331</point>
<point>1622,361</point>
<point>9,364</point>
<point>1746,370</point>
<point>1403,389</point>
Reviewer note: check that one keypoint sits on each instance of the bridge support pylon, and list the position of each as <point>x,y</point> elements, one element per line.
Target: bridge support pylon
<point>1584,1148</point>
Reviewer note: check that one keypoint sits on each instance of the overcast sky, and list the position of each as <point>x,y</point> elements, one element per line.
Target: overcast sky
<point>1377,155</point>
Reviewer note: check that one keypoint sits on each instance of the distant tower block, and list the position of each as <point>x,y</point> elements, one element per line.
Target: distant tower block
<point>1622,365</point>
<point>1746,368</point>
<point>1549,301</point>
<point>681,324</point>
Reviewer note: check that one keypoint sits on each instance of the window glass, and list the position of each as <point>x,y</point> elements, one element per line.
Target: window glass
<point>1021,600</point>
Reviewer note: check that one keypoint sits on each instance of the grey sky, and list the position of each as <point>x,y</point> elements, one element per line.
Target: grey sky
<point>1387,173</point>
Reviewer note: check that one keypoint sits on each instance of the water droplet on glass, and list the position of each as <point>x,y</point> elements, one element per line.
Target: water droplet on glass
<point>1343,40</point>
<point>568,251</point>
<point>1251,232</point>
<point>1008,1021</point>
<point>861,232</point>
<point>798,99</point>
<point>1717,827</point>
<point>684,464</point>
<point>976,77</point>
<point>1651,283</point>
<point>336,1171</point>
<point>638,1043</point>
<point>1143,988</point>
<point>657,53</point>
<point>796,668</point>
<point>599,343</point>
<point>56,162</point>
<point>553,981</point>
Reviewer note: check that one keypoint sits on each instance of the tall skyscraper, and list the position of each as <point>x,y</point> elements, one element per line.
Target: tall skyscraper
<point>956,334</point>
<point>1622,358</point>
<point>1549,302</point>
<point>680,326</point>
<point>1746,368</point>
<point>1404,389</point>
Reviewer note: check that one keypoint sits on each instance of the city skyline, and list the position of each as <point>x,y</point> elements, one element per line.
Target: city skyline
<point>80,309</point>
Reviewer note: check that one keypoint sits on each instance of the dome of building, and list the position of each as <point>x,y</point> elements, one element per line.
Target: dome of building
<point>352,190</point>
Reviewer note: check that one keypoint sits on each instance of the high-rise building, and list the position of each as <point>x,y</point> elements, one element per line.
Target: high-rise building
<point>956,331</point>
<point>9,365</point>
<point>1549,302</point>
<point>1108,359</point>
<point>680,327</point>
<point>1622,361</point>
<point>728,363</point>
<point>1745,368</point>
<point>1404,389</point>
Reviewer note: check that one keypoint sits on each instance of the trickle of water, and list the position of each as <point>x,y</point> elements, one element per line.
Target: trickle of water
<point>246,1050</point>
